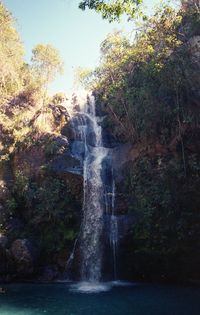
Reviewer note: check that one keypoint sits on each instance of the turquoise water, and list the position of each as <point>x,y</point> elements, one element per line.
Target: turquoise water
<point>66,299</point>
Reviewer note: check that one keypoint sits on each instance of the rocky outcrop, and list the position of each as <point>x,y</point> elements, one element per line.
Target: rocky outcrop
<point>30,161</point>
<point>24,254</point>
<point>17,261</point>
<point>60,114</point>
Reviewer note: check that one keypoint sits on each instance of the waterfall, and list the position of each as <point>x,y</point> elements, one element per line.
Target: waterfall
<point>92,227</point>
<point>113,230</point>
<point>88,131</point>
<point>97,200</point>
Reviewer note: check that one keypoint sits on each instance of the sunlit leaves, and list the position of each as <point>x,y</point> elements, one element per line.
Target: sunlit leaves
<point>139,80</point>
<point>46,62</point>
<point>11,55</point>
<point>84,76</point>
<point>113,10</point>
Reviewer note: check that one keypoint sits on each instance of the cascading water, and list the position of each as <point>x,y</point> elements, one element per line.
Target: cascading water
<point>88,132</point>
<point>112,222</point>
<point>113,230</point>
<point>88,137</point>
<point>93,210</point>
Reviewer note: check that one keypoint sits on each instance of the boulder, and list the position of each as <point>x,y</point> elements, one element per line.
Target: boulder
<point>66,163</point>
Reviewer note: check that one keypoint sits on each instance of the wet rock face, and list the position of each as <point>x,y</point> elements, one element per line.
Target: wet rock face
<point>24,255</point>
<point>66,163</point>
<point>73,133</point>
<point>108,139</point>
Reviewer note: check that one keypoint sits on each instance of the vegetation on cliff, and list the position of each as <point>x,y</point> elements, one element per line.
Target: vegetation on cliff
<point>37,203</point>
<point>151,86</point>
<point>149,89</point>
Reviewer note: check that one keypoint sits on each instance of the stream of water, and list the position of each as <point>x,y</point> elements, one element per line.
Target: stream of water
<point>114,230</point>
<point>92,226</point>
<point>87,130</point>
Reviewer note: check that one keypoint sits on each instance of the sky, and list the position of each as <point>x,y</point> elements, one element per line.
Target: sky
<point>76,34</point>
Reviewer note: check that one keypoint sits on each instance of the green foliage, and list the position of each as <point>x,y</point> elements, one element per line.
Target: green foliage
<point>46,62</point>
<point>58,98</point>
<point>23,88</point>
<point>20,186</point>
<point>149,89</point>
<point>48,197</point>
<point>55,237</point>
<point>32,85</point>
<point>44,206</point>
<point>56,211</point>
<point>47,208</point>
<point>11,56</point>
<point>11,205</point>
<point>51,147</point>
<point>113,10</point>
<point>168,214</point>
<point>146,85</point>
<point>84,77</point>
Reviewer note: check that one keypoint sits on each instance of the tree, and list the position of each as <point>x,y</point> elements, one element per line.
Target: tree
<point>11,55</point>
<point>84,77</point>
<point>144,83</point>
<point>46,62</point>
<point>113,10</point>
